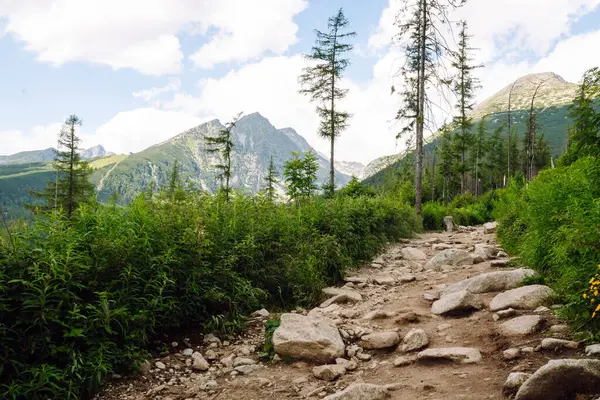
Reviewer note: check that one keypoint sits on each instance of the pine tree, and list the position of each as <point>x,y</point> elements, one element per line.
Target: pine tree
<point>270,181</point>
<point>464,85</point>
<point>174,181</point>
<point>310,168</point>
<point>530,136</point>
<point>479,150</point>
<point>321,81</point>
<point>424,47</point>
<point>496,158</point>
<point>71,187</point>
<point>584,135</point>
<point>447,156</point>
<point>223,144</point>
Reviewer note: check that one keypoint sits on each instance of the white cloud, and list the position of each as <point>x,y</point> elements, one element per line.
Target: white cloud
<point>174,84</point>
<point>135,130</point>
<point>38,137</point>
<point>247,29</point>
<point>142,34</point>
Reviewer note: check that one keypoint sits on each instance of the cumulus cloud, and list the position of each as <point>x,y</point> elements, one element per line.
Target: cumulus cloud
<point>38,137</point>
<point>174,84</point>
<point>142,34</point>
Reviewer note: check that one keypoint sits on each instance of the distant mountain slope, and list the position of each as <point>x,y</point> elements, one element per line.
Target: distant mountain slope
<point>255,139</point>
<point>350,168</point>
<point>552,107</point>
<point>25,157</point>
<point>95,152</point>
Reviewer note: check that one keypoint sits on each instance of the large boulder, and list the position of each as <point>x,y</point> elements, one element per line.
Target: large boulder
<point>490,227</point>
<point>361,391</point>
<point>523,298</point>
<point>351,295</point>
<point>379,340</point>
<point>449,257</point>
<point>459,355</point>
<point>496,281</point>
<point>456,302</point>
<point>562,379</point>
<point>311,338</point>
<point>521,326</point>
<point>411,253</point>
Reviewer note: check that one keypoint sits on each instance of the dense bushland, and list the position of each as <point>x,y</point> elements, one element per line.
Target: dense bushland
<point>465,209</point>
<point>81,298</point>
<point>554,225</point>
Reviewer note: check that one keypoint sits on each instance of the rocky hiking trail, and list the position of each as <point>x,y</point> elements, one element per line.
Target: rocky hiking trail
<point>441,316</point>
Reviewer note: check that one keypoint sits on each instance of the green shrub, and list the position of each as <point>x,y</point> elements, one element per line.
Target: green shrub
<point>433,216</point>
<point>83,299</point>
<point>553,225</point>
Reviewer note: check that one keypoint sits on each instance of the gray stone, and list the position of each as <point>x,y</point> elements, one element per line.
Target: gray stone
<point>490,227</point>
<point>509,312</point>
<point>379,340</point>
<point>378,314</point>
<point>460,355</point>
<point>329,372</point>
<point>243,361</point>
<point>593,350</point>
<point>442,246</point>
<point>521,326</point>
<point>384,280</point>
<point>262,313</point>
<point>361,391</point>
<point>188,352</point>
<point>415,339</point>
<point>456,302</point>
<point>523,298</point>
<point>403,361</point>
<point>560,328</point>
<point>449,222</point>
<point>247,369</point>
<point>498,263</point>
<point>314,338</point>
<point>562,379</point>
<point>486,251</point>
<point>210,338</point>
<point>352,295</point>
<point>452,257</point>
<point>541,310</point>
<point>340,298</point>
<point>511,354</point>
<point>502,254</point>
<point>557,344</point>
<point>514,381</point>
<point>160,365</point>
<point>199,363</point>
<point>350,365</point>
<point>145,367</point>
<point>411,253</point>
<point>496,281</point>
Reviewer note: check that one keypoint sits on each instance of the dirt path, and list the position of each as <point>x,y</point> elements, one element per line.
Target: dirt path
<point>295,380</point>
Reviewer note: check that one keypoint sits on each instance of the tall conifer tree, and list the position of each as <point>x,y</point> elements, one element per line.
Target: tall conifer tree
<point>223,144</point>
<point>321,81</point>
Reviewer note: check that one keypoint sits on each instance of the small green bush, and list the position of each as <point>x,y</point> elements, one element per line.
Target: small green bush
<point>433,216</point>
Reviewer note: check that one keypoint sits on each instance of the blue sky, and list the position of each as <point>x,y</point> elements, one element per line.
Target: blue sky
<point>138,72</point>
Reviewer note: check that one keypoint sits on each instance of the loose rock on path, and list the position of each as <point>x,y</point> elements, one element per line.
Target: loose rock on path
<point>413,324</point>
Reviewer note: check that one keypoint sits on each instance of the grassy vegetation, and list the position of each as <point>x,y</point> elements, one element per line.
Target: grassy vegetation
<point>553,225</point>
<point>465,209</point>
<point>82,299</point>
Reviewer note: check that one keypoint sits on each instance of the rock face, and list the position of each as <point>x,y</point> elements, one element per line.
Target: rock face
<point>361,391</point>
<point>489,227</point>
<point>496,281</point>
<point>351,295</point>
<point>520,326</point>
<point>456,302</point>
<point>460,355</point>
<point>314,338</point>
<point>514,381</point>
<point>449,257</point>
<point>415,339</point>
<point>379,340</point>
<point>524,298</point>
<point>562,379</point>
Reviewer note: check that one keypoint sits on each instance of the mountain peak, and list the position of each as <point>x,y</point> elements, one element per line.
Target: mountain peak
<point>555,91</point>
